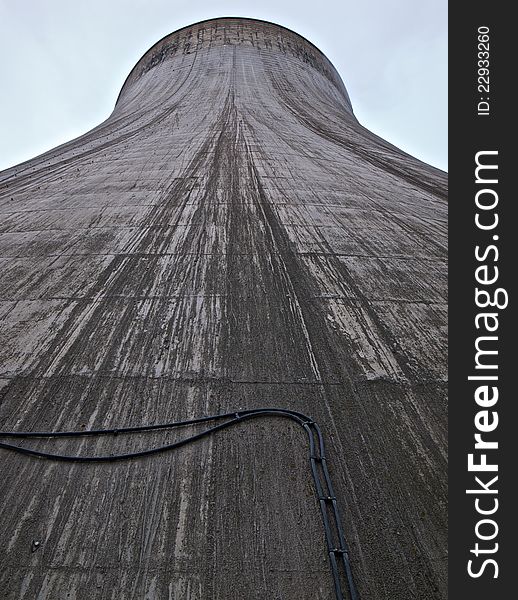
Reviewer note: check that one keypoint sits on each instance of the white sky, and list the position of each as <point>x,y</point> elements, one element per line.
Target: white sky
<point>63,62</point>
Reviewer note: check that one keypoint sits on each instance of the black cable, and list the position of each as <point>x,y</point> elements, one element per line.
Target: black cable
<point>334,535</point>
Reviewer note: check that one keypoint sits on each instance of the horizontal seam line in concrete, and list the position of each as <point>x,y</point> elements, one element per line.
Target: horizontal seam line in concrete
<point>222,380</point>
<point>253,294</point>
<point>134,566</point>
<point>143,254</point>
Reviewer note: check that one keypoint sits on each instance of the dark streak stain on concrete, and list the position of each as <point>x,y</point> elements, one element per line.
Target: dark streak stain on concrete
<point>230,237</point>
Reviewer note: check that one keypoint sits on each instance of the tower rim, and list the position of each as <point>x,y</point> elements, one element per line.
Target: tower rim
<point>230,18</point>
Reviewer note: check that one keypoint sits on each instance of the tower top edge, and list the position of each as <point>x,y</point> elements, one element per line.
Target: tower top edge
<point>139,68</point>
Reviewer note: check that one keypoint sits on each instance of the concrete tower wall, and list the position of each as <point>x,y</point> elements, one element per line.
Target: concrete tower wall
<point>230,237</point>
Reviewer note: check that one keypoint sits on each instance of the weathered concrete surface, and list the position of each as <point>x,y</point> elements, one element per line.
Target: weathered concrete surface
<point>230,237</point>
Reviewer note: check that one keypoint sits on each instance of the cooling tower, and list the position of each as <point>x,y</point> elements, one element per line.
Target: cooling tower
<point>230,238</point>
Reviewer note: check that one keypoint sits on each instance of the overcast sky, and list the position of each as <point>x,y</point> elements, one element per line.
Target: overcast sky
<point>63,62</point>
